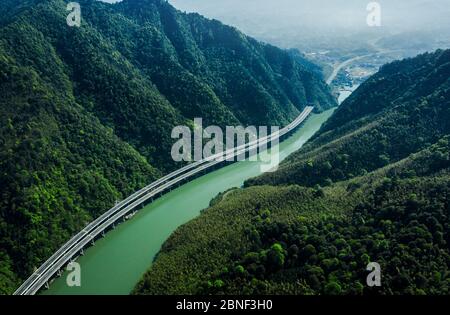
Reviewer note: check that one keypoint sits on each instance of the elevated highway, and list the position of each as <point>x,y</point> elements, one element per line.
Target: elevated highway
<point>86,237</point>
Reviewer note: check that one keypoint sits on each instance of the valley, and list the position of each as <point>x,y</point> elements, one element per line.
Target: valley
<point>117,262</point>
<point>87,112</point>
<point>94,117</point>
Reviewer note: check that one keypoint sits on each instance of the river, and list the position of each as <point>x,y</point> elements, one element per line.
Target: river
<point>344,93</point>
<point>117,262</point>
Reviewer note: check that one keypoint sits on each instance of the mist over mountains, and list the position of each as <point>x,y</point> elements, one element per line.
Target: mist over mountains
<point>402,14</point>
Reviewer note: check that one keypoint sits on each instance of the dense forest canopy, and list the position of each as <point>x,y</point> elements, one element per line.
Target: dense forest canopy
<point>86,112</point>
<point>372,186</point>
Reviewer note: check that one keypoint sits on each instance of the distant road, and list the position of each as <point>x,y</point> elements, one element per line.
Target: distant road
<point>344,64</point>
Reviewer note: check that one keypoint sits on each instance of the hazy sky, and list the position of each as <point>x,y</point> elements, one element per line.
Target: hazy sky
<point>324,14</point>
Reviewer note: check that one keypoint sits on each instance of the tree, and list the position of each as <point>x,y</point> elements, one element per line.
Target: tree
<point>333,288</point>
<point>276,257</point>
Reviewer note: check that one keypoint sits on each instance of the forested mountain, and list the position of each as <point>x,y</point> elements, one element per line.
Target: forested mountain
<point>402,109</point>
<point>372,186</point>
<point>86,112</point>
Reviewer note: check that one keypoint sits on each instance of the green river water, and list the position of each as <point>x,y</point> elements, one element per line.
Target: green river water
<point>117,262</point>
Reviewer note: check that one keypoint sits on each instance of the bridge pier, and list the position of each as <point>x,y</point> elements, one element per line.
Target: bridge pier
<point>82,252</point>
<point>46,285</point>
<point>103,233</point>
<point>59,273</point>
<point>114,226</point>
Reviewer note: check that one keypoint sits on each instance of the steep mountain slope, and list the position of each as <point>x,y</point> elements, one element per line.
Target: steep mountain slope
<point>400,110</point>
<point>87,111</point>
<point>60,167</point>
<point>284,238</point>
